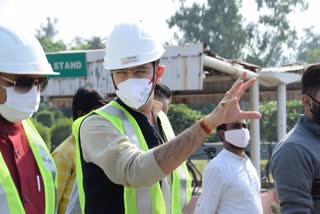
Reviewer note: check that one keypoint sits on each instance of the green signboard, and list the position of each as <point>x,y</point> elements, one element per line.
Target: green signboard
<point>68,64</point>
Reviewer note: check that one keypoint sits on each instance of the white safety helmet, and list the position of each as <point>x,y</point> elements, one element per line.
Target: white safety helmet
<point>22,54</point>
<point>131,44</point>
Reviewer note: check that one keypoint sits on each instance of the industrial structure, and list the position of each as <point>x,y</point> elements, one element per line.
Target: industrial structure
<point>194,74</point>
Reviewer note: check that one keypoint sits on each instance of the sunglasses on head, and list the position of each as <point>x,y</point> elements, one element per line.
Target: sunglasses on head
<point>24,84</point>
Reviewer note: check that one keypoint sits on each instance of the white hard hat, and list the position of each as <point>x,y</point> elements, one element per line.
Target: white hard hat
<point>131,44</point>
<point>22,54</point>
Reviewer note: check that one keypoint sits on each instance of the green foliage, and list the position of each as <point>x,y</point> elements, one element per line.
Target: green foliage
<point>309,47</point>
<point>57,113</point>
<point>60,131</point>
<point>42,107</point>
<point>294,109</point>
<point>46,118</point>
<point>204,109</point>
<point>87,44</point>
<point>182,117</point>
<point>67,111</point>
<point>218,23</point>
<point>44,132</point>
<point>272,35</point>
<point>268,122</point>
<point>49,46</point>
<point>46,35</point>
<point>313,56</point>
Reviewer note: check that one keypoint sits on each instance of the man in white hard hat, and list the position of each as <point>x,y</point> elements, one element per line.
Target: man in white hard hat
<point>128,160</point>
<point>27,172</point>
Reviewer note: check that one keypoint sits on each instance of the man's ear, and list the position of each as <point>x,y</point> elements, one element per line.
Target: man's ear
<point>306,102</point>
<point>160,72</point>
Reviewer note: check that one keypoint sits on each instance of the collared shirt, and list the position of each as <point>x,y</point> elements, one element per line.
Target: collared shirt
<point>18,156</point>
<point>230,185</point>
<point>65,157</point>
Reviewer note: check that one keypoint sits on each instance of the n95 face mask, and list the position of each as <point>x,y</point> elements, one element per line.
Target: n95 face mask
<point>134,92</point>
<point>238,137</point>
<point>20,106</point>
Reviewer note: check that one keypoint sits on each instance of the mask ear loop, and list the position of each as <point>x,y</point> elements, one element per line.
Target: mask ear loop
<point>156,75</point>
<point>114,84</point>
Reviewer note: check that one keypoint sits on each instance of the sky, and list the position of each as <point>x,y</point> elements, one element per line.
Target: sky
<point>96,17</point>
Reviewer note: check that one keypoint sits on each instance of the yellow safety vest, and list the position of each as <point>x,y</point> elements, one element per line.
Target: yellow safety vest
<point>139,200</point>
<point>10,202</point>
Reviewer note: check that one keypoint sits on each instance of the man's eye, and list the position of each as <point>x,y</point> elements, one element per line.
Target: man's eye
<point>120,72</point>
<point>141,71</point>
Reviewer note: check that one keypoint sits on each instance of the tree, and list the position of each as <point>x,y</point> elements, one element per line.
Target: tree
<point>273,34</point>
<point>80,43</point>
<point>46,35</point>
<point>182,117</point>
<point>309,48</point>
<point>46,118</point>
<point>268,123</point>
<point>44,133</point>
<point>60,131</point>
<point>219,24</point>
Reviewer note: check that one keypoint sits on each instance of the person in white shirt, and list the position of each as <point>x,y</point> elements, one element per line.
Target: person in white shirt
<point>230,182</point>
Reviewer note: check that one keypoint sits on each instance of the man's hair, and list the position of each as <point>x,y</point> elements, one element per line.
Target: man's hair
<point>221,127</point>
<point>162,90</point>
<point>311,80</point>
<point>87,99</point>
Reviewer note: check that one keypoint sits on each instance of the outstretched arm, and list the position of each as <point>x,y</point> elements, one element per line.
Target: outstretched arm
<point>170,155</point>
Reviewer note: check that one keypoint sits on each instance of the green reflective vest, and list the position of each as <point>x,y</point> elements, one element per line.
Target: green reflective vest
<point>10,202</point>
<point>139,200</point>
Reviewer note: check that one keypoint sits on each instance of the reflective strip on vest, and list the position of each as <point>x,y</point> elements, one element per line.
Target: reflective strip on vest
<point>45,164</point>
<point>78,188</point>
<point>181,190</point>
<point>9,197</point>
<point>144,199</point>
<point>181,184</point>
<point>138,200</point>
<point>10,201</point>
<point>74,203</point>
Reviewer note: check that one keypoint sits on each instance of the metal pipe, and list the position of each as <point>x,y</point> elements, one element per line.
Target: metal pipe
<point>226,67</point>
<point>255,127</point>
<point>282,113</point>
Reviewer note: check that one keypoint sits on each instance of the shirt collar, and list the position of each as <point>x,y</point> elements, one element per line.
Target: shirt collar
<point>234,156</point>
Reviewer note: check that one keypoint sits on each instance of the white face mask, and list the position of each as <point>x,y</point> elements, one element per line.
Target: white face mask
<point>238,137</point>
<point>134,92</point>
<point>20,106</point>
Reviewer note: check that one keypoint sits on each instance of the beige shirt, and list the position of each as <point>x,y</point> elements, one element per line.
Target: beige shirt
<point>122,162</point>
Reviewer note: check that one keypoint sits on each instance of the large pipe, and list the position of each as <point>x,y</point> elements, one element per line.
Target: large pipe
<point>255,127</point>
<point>226,67</point>
<point>282,113</point>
